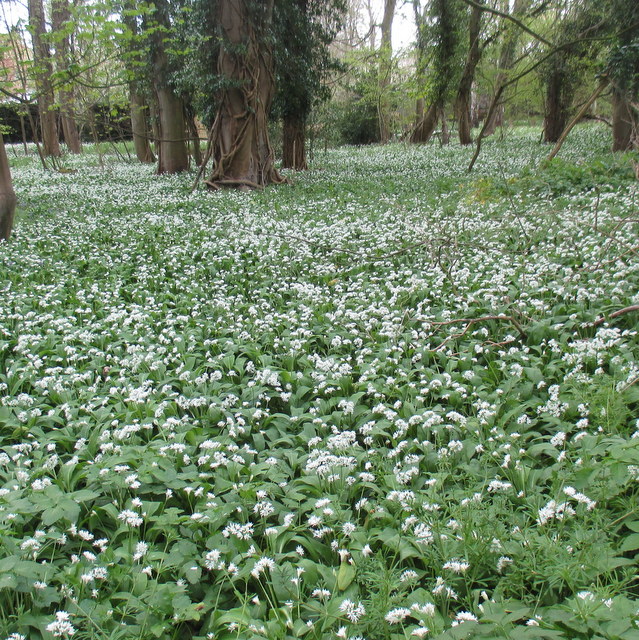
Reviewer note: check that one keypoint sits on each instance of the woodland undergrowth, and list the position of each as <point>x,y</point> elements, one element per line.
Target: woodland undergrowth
<point>388,400</point>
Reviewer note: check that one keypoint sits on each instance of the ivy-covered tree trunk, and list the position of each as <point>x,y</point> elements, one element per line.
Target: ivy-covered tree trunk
<point>242,151</point>
<point>624,123</point>
<point>445,63</point>
<point>385,70</point>
<point>463,102</point>
<point>43,72</point>
<point>7,195</point>
<point>294,143</point>
<point>173,154</point>
<point>60,19</point>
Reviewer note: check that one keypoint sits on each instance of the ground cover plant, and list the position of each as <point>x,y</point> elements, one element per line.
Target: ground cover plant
<point>389,400</point>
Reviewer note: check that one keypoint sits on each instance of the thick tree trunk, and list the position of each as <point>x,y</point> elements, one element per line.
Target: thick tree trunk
<point>242,151</point>
<point>463,102</point>
<point>43,71</point>
<point>623,122</point>
<point>7,195</point>
<point>294,144</point>
<point>385,68</point>
<point>140,127</point>
<point>558,103</point>
<point>60,17</point>
<point>173,154</point>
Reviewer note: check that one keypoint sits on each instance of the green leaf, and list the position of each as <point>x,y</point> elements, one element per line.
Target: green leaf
<point>345,575</point>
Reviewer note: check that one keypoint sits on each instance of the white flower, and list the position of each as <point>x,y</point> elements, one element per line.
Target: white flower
<point>395,616</point>
<point>261,566</point>
<point>351,610</point>
<point>131,518</point>
<point>61,627</point>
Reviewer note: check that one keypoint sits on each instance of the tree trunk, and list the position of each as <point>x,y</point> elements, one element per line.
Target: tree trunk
<point>194,134</point>
<point>424,130</point>
<point>507,58</point>
<point>559,95</point>
<point>173,154</point>
<point>385,68</point>
<point>242,151</point>
<point>138,103</point>
<point>60,17</point>
<point>7,195</point>
<point>623,122</point>
<point>140,127</point>
<point>294,144</point>
<point>463,102</point>
<point>43,71</point>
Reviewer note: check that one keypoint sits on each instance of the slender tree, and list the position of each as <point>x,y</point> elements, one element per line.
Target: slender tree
<point>507,58</point>
<point>43,73</point>
<point>385,69</point>
<point>463,101</point>
<point>134,62</point>
<point>303,31</point>
<point>61,23</point>
<point>242,152</point>
<point>7,195</point>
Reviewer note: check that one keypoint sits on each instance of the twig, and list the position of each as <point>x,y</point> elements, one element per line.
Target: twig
<point>616,314</point>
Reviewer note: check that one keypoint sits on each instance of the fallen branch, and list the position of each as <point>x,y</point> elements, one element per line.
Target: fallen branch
<point>472,321</point>
<point>616,314</point>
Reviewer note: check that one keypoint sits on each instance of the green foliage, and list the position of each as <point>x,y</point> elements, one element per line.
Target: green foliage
<point>378,400</point>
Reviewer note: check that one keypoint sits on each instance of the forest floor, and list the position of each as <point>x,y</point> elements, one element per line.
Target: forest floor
<point>389,400</point>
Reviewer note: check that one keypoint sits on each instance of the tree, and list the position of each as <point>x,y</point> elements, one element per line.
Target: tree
<point>303,31</point>
<point>507,59</point>
<point>133,50</point>
<point>172,149</point>
<point>623,68</point>
<point>61,23</point>
<point>385,68</point>
<point>43,73</point>
<point>446,18</point>
<point>7,195</point>
<point>241,149</point>
<point>464,92</point>
<point>566,69</point>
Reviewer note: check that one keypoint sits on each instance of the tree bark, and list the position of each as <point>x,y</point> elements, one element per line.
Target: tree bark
<point>139,107</point>
<point>385,68</point>
<point>506,62</point>
<point>463,102</point>
<point>242,151</point>
<point>140,127</point>
<point>173,154</point>
<point>623,122</point>
<point>559,95</point>
<point>427,124</point>
<point>294,143</point>
<point>43,71</point>
<point>60,17</point>
<point>7,195</point>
